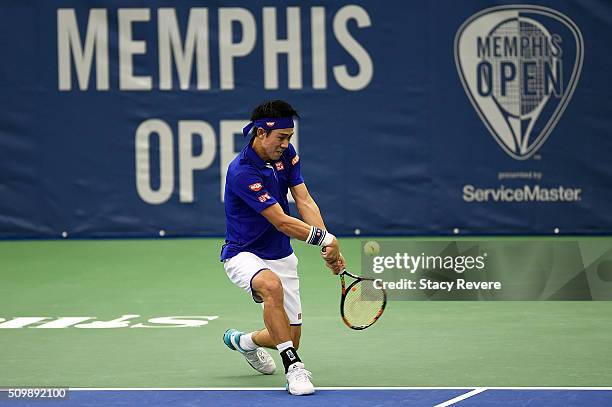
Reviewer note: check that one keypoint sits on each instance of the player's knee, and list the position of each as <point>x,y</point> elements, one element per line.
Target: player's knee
<point>274,287</point>
<point>270,287</point>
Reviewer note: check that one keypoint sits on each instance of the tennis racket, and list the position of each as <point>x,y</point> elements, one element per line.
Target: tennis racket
<point>361,304</point>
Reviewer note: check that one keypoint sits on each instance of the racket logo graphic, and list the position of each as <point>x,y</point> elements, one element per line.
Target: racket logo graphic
<point>519,66</point>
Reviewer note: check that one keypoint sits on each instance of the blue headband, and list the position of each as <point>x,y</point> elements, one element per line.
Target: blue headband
<point>269,124</point>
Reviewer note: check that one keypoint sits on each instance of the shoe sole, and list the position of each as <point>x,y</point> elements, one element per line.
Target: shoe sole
<point>297,394</point>
<point>254,368</point>
<point>301,394</point>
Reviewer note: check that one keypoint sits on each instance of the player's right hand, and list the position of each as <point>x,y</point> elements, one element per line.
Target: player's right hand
<point>341,263</point>
<point>332,252</point>
<point>331,255</point>
<point>336,268</point>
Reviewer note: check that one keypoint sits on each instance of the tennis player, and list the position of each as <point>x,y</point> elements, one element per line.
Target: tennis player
<point>257,254</point>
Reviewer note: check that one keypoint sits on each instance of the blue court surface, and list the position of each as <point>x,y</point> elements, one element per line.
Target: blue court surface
<point>417,397</point>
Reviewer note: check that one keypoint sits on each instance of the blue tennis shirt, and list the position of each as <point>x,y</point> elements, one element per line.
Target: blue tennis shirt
<point>251,186</point>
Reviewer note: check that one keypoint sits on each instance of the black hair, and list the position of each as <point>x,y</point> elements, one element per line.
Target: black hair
<point>273,109</point>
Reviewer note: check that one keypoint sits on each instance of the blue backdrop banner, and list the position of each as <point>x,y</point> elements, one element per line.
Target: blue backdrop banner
<point>120,118</point>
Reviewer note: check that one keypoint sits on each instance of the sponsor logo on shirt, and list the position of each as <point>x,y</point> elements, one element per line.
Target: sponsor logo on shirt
<point>256,186</point>
<point>279,166</point>
<point>263,197</point>
<point>295,159</point>
<point>270,124</point>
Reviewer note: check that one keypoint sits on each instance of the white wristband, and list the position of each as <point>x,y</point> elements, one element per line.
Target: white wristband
<point>319,237</point>
<point>329,239</point>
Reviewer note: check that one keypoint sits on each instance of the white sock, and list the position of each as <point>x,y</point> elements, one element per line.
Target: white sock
<point>285,345</point>
<point>246,342</point>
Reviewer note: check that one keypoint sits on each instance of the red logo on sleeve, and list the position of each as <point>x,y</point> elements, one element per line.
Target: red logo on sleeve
<point>263,197</point>
<point>295,159</point>
<point>256,186</point>
<point>279,166</point>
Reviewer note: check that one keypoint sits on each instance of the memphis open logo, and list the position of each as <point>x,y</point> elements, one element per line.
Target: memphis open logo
<point>519,66</point>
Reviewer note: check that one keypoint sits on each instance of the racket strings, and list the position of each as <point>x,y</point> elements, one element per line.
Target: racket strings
<point>363,303</point>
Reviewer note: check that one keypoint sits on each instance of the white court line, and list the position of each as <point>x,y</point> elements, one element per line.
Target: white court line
<point>462,397</point>
<point>323,388</point>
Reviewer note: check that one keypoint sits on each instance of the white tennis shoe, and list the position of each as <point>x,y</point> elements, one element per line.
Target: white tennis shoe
<point>298,380</point>
<point>259,359</point>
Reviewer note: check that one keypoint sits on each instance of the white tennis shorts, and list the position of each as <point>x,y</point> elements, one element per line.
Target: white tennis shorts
<point>243,267</point>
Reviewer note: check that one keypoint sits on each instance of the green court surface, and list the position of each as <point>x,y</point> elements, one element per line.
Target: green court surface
<point>510,343</point>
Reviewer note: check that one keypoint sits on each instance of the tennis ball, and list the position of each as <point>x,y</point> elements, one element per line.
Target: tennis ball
<point>371,248</point>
